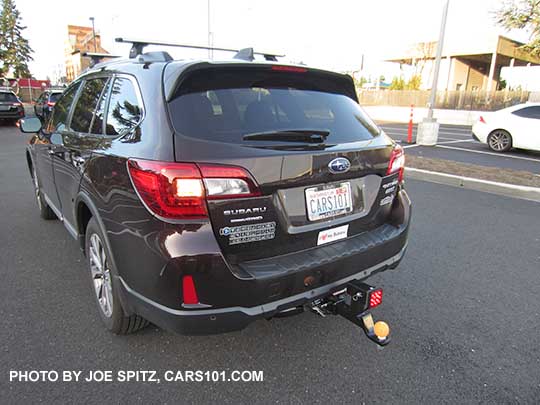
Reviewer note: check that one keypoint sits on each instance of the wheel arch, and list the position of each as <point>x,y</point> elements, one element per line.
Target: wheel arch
<point>85,209</point>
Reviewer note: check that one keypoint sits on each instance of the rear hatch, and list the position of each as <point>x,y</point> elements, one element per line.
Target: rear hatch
<point>8,102</point>
<point>319,163</point>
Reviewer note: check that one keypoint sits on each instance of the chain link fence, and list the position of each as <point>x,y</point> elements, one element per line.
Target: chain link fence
<point>451,100</point>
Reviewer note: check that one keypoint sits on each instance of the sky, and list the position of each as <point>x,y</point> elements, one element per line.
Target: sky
<point>327,34</point>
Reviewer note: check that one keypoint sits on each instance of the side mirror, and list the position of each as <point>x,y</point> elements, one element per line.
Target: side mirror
<point>30,125</point>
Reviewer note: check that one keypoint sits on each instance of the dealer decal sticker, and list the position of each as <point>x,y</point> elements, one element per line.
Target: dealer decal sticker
<point>249,233</point>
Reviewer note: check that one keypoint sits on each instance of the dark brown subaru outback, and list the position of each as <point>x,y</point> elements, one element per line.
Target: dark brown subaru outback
<point>208,194</point>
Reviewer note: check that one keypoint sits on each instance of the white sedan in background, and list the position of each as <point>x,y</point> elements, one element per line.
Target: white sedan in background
<point>513,127</point>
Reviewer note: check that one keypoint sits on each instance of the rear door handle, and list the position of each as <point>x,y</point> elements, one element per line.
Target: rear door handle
<point>56,150</point>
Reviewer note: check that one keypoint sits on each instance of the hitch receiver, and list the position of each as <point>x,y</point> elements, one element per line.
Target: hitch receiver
<point>353,304</point>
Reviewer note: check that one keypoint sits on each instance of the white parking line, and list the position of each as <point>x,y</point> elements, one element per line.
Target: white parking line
<point>456,141</point>
<point>488,153</point>
<point>440,143</point>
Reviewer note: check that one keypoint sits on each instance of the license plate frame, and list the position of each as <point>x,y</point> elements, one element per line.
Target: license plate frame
<point>331,194</point>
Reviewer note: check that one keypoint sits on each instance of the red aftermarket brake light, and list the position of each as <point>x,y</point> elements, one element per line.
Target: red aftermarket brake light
<point>180,190</point>
<point>289,69</point>
<point>375,298</point>
<point>397,162</point>
<point>189,293</point>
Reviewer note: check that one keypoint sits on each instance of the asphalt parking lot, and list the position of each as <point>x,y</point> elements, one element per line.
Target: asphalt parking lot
<point>456,143</point>
<point>463,307</point>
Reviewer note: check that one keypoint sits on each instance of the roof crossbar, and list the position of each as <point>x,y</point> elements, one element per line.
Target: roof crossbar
<point>137,46</point>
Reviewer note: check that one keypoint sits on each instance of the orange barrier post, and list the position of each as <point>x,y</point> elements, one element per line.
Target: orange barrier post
<point>409,131</point>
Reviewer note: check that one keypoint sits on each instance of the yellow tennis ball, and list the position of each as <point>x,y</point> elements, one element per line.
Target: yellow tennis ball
<point>381,329</point>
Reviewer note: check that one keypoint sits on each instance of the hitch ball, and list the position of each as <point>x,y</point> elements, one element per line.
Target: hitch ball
<point>381,329</point>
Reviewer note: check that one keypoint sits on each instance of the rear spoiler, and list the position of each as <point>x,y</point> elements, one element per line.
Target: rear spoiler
<point>176,73</point>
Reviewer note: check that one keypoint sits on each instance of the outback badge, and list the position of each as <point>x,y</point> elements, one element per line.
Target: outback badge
<point>339,165</point>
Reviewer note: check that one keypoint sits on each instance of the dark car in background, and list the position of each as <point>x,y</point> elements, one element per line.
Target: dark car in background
<point>45,103</point>
<point>11,108</point>
<point>206,194</point>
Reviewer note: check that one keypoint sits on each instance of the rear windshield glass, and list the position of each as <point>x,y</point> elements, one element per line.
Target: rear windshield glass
<point>225,109</point>
<point>54,97</point>
<point>8,97</point>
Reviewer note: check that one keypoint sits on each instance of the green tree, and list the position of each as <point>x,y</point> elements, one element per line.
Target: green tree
<point>522,14</point>
<point>397,83</point>
<point>414,83</point>
<point>15,53</point>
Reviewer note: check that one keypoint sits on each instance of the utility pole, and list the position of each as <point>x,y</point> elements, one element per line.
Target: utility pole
<point>210,51</point>
<point>428,129</point>
<point>94,33</point>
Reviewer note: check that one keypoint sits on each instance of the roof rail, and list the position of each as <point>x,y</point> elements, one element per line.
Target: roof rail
<point>137,46</point>
<point>96,58</point>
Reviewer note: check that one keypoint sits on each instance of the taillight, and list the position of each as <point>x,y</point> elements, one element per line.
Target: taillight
<point>482,120</point>
<point>180,190</point>
<point>189,293</point>
<point>50,103</point>
<point>397,162</point>
<point>227,182</point>
<point>375,298</point>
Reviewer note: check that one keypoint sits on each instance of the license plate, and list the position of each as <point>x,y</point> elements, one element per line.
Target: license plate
<point>329,201</point>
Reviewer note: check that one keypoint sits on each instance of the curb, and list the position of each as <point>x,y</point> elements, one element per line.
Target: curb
<point>509,190</point>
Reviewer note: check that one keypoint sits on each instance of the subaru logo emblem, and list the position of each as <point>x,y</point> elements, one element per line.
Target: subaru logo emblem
<point>339,165</point>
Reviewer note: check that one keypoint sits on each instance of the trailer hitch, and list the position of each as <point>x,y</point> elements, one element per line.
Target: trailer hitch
<point>354,303</point>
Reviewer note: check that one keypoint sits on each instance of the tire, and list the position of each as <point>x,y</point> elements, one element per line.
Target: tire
<point>499,141</point>
<point>45,212</point>
<point>105,285</point>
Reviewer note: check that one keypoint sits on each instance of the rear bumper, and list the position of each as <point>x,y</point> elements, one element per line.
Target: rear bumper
<point>11,115</point>
<point>222,320</point>
<point>280,283</point>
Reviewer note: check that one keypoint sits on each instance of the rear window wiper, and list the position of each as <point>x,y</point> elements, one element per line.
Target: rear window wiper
<point>289,135</point>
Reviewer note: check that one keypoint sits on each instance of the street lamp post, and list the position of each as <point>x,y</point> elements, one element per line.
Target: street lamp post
<point>94,33</point>
<point>428,129</point>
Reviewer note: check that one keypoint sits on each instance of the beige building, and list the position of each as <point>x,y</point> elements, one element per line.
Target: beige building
<point>80,39</point>
<point>472,65</point>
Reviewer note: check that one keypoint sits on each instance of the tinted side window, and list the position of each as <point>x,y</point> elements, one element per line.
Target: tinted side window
<point>96,126</point>
<point>528,112</point>
<point>61,109</point>
<point>54,97</point>
<point>86,104</point>
<point>124,111</point>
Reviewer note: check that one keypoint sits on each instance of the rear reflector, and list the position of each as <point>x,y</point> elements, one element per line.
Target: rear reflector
<point>397,162</point>
<point>180,190</point>
<point>189,293</point>
<point>375,298</point>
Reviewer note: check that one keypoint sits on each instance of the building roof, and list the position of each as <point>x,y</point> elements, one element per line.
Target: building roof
<point>479,48</point>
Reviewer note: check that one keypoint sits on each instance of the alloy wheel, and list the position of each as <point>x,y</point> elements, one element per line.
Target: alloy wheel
<point>101,275</point>
<point>499,140</point>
